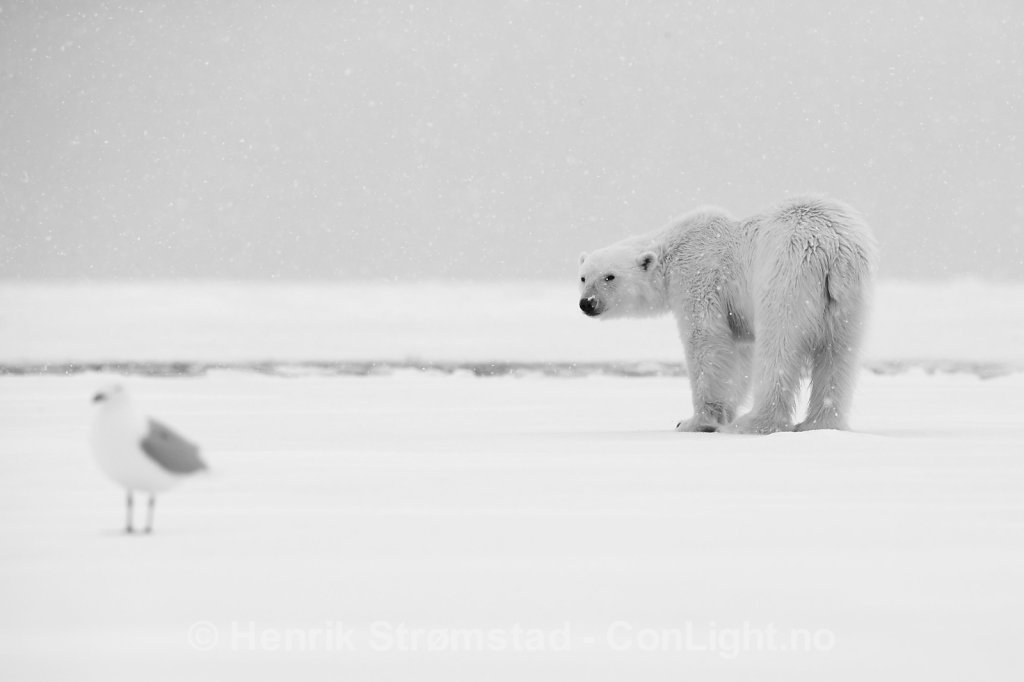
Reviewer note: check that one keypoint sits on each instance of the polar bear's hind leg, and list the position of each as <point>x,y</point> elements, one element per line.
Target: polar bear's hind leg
<point>779,363</point>
<point>834,359</point>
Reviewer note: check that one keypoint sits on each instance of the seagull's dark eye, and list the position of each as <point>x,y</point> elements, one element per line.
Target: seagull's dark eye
<point>583,279</point>
<point>609,278</point>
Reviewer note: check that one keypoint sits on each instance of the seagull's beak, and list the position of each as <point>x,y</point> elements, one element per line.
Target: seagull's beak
<point>99,398</point>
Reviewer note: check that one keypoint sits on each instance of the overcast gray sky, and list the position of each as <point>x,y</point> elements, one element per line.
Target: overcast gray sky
<point>494,139</point>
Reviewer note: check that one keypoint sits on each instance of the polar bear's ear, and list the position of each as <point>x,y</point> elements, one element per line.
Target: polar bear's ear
<point>647,260</point>
<point>583,257</point>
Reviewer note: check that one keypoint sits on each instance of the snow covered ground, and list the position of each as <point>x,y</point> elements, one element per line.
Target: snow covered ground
<point>342,509</point>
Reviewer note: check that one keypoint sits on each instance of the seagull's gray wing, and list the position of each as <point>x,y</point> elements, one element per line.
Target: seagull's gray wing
<point>170,451</point>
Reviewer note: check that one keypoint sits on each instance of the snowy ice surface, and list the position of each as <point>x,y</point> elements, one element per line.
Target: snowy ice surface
<point>453,502</point>
<point>475,504</point>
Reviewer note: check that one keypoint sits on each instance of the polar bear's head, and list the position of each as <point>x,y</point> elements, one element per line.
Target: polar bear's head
<point>622,280</point>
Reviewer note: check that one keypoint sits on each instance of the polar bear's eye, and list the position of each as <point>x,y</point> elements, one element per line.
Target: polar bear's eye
<point>609,278</point>
<point>583,279</point>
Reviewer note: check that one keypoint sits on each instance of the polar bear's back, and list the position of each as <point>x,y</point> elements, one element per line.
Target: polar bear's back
<point>810,239</point>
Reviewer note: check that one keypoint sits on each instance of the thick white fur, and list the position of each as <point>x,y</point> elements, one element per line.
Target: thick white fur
<point>760,301</point>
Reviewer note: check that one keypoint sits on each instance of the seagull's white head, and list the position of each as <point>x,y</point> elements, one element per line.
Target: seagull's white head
<point>113,394</point>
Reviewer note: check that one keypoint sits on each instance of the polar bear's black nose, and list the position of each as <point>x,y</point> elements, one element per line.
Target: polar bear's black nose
<point>589,305</point>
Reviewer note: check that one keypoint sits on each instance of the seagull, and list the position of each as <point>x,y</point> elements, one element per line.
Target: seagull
<point>138,452</point>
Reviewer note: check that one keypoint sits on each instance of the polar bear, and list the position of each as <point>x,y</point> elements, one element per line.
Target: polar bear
<point>760,300</point>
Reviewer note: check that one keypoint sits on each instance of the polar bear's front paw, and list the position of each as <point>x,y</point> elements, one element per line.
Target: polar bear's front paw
<point>757,425</point>
<point>697,424</point>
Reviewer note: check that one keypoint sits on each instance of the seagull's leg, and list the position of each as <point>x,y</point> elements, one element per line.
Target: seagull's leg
<point>149,515</point>
<point>128,515</point>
